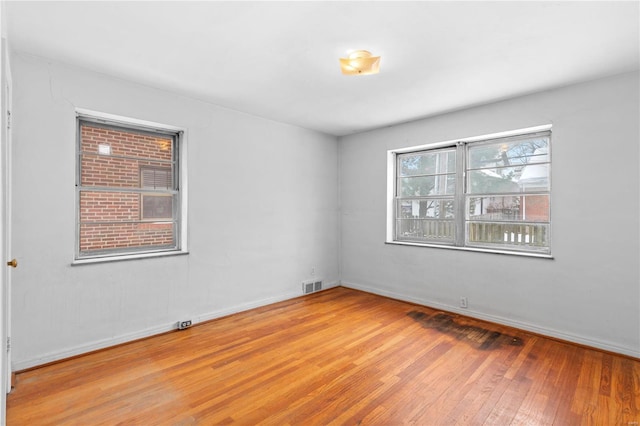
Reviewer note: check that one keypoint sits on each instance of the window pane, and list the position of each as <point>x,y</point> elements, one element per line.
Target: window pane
<point>111,220</point>
<point>512,153</point>
<point>509,235</point>
<point>440,231</point>
<point>114,158</point>
<point>426,185</point>
<point>525,208</point>
<point>509,179</point>
<point>96,139</point>
<point>432,208</point>
<point>427,163</point>
<point>109,206</point>
<point>103,206</point>
<point>98,238</point>
<point>157,207</point>
<point>105,171</point>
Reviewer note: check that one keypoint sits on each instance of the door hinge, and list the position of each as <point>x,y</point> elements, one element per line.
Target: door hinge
<point>8,344</point>
<point>8,119</point>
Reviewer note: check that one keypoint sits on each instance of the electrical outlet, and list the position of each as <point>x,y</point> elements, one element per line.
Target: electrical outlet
<point>463,302</point>
<point>184,324</point>
<point>313,271</point>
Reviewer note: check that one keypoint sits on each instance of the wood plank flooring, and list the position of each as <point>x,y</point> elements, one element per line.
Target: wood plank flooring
<point>335,357</point>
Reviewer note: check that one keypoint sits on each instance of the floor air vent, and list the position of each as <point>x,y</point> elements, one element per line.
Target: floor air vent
<point>311,286</point>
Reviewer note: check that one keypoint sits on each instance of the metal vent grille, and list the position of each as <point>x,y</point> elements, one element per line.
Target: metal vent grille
<point>307,288</point>
<point>311,286</point>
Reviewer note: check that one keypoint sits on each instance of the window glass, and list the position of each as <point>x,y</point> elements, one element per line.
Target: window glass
<point>428,163</point>
<point>128,191</point>
<point>440,231</point>
<point>509,179</point>
<point>427,185</point>
<point>505,192</point>
<point>530,208</point>
<point>426,209</point>
<point>509,153</point>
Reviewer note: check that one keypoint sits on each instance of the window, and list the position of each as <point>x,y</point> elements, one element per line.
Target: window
<point>128,188</point>
<point>489,193</point>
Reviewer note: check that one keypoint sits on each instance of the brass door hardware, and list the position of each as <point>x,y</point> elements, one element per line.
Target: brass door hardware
<point>13,263</point>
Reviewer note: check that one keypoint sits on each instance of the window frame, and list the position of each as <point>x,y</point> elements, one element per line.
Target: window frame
<point>179,190</point>
<point>461,219</point>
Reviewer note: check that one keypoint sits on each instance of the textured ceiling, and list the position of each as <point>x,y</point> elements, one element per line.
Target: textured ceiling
<point>279,60</point>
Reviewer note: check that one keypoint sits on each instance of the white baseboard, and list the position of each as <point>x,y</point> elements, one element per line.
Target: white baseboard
<point>569,337</point>
<point>251,305</point>
<point>89,347</point>
<point>152,331</point>
<point>163,328</point>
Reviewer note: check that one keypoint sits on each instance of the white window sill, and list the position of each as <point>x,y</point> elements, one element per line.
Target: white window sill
<point>476,249</point>
<point>132,256</point>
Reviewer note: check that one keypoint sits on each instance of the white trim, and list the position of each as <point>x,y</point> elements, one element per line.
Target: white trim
<point>452,142</point>
<point>183,151</point>
<point>569,337</point>
<point>115,258</point>
<point>113,118</point>
<point>476,249</point>
<point>8,163</point>
<point>5,217</point>
<point>391,184</point>
<point>180,135</point>
<point>152,331</point>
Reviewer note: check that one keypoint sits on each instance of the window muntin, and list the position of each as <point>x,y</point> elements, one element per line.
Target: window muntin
<point>128,189</point>
<point>502,186</point>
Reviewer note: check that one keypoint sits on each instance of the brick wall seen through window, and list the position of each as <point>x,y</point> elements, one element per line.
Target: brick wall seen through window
<point>119,211</point>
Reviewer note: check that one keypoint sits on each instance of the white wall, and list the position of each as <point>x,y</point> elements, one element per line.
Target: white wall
<point>589,293</point>
<point>263,211</point>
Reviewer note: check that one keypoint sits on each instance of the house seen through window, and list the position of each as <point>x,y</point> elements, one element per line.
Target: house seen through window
<point>488,194</point>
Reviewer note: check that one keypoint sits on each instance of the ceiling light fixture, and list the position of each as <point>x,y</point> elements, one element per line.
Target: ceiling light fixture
<point>360,62</point>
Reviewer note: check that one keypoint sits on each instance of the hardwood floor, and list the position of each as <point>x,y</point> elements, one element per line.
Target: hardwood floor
<point>335,357</point>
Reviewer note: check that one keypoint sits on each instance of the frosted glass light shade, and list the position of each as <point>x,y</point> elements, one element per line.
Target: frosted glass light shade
<point>360,62</point>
